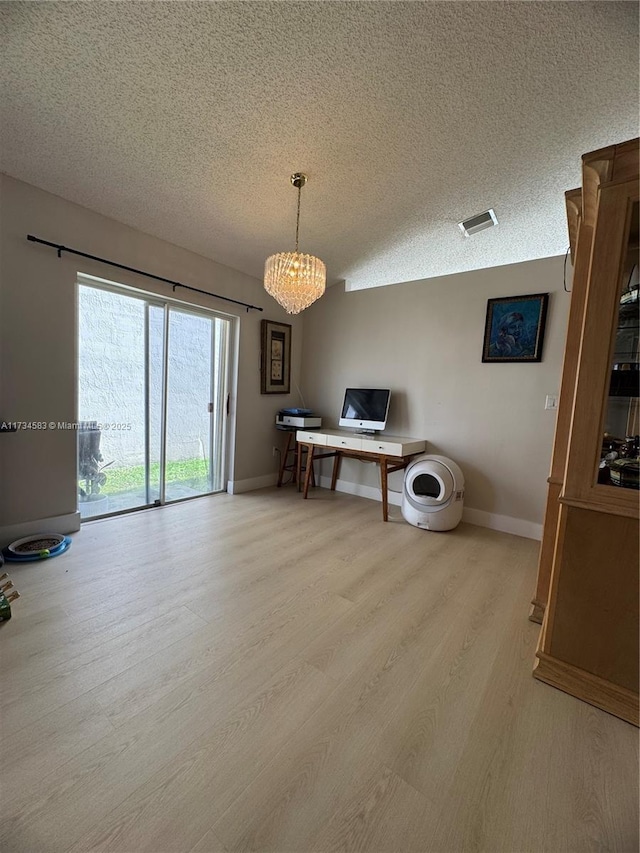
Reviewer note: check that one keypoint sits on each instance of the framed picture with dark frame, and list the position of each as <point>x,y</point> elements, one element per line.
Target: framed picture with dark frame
<point>514,328</point>
<point>275,361</point>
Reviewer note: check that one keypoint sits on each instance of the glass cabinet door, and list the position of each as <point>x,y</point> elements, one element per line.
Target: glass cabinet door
<point>602,459</point>
<point>619,464</point>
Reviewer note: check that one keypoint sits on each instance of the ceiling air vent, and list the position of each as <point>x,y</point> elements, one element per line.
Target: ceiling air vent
<point>478,223</point>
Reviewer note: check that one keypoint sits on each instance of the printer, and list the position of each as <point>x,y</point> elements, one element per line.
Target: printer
<point>297,419</point>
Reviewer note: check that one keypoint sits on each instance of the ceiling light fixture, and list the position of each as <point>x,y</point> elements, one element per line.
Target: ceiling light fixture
<point>293,279</point>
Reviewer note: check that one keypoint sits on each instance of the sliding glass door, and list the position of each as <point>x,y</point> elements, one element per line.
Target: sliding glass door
<point>194,404</point>
<point>152,387</point>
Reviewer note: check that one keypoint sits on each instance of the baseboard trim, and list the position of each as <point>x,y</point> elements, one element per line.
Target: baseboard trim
<point>588,687</point>
<point>502,523</point>
<point>373,493</point>
<point>237,487</point>
<point>69,523</point>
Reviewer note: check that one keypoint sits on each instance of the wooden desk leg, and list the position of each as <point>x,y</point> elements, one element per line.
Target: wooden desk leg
<point>309,469</point>
<point>283,461</point>
<point>299,465</point>
<point>383,483</point>
<point>336,467</point>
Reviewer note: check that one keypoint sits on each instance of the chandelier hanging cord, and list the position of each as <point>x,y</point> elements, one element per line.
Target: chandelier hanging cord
<point>298,179</point>
<point>298,216</point>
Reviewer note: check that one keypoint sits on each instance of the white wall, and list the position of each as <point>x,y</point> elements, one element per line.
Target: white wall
<point>38,341</point>
<point>424,341</point>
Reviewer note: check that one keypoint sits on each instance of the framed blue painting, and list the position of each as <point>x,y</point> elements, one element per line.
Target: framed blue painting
<point>514,328</point>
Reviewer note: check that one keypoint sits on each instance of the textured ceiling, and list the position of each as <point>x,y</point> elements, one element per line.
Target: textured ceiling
<point>185,120</point>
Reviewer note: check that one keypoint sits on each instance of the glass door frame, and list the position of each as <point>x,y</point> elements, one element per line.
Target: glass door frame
<point>218,396</point>
<point>608,254</point>
<point>222,368</point>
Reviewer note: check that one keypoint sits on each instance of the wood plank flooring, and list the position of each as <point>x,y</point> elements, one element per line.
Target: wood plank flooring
<point>262,673</point>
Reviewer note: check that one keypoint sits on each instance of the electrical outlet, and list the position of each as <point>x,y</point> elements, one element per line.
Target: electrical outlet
<point>275,450</point>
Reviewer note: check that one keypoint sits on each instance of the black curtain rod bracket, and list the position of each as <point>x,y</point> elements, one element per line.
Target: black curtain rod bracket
<point>60,249</point>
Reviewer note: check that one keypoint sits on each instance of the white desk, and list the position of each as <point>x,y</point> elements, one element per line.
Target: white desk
<point>393,452</point>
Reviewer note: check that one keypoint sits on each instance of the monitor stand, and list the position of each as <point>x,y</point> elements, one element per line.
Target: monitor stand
<point>366,431</point>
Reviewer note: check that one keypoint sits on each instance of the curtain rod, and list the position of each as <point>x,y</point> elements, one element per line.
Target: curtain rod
<point>60,249</point>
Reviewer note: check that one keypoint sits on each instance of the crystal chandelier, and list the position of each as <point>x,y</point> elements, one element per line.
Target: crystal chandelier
<point>293,279</point>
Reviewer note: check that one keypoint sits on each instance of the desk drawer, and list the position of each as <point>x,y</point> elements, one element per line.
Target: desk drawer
<point>375,445</point>
<point>394,445</point>
<point>347,442</point>
<point>311,437</point>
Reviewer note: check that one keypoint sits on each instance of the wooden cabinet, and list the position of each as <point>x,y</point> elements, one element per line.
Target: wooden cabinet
<point>588,577</point>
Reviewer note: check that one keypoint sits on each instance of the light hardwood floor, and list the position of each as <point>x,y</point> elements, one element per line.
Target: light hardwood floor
<point>258,672</point>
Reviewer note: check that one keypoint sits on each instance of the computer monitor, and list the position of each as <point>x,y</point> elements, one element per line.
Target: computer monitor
<point>365,409</point>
